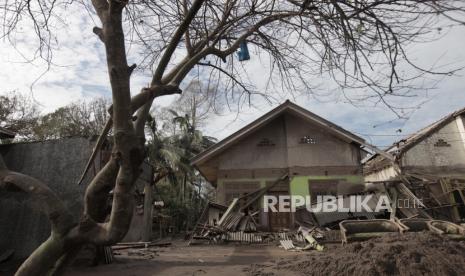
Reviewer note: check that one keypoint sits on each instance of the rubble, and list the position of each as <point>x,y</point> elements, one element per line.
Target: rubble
<point>238,222</point>
<point>238,219</point>
<point>393,254</point>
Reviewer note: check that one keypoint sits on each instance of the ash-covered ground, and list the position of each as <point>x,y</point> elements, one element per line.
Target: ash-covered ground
<point>395,254</point>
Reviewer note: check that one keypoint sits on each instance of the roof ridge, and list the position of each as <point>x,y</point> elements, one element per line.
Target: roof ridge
<point>265,118</point>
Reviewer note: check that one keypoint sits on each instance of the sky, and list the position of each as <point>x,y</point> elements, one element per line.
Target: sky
<point>79,72</point>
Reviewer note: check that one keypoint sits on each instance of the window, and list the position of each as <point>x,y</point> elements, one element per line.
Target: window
<point>441,143</point>
<point>307,140</point>
<point>265,142</point>
<point>235,189</point>
<point>322,187</point>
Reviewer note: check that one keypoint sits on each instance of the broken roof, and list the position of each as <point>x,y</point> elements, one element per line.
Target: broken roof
<point>5,133</point>
<point>401,146</point>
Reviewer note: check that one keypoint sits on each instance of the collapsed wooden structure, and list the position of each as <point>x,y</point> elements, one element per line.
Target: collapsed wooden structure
<point>239,216</point>
<point>431,164</point>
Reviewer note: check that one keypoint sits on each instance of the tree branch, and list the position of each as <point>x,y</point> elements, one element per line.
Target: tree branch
<point>97,193</point>
<point>183,27</point>
<point>40,194</point>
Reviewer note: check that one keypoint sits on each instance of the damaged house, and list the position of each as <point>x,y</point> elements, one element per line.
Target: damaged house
<point>319,158</point>
<point>431,163</point>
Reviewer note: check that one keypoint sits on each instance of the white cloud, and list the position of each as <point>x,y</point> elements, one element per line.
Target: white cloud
<point>80,73</point>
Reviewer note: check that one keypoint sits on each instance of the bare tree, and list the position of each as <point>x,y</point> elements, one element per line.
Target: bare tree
<point>359,44</point>
<point>76,119</point>
<point>19,114</point>
<point>199,100</point>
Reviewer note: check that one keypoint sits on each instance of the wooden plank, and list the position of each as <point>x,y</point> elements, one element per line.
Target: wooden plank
<point>228,211</point>
<point>263,191</point>
<point>139,245</point>
<point>287,244</point>
<point>393,204</point>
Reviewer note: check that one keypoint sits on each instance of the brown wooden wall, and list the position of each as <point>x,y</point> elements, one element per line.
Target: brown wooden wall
<point>279,145</point>
<point>255,152</point>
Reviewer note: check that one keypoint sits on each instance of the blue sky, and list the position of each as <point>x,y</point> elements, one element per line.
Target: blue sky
<point>79,72</point>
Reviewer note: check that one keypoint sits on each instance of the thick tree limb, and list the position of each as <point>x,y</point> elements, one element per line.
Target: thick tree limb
<point>97,193</point>
<point>41,195</point>
<point>142,115</point>
<point>43,260</point>
<point>182,28</point>
<point>147,95</point>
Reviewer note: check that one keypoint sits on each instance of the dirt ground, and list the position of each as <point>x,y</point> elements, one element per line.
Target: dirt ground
<point>180,259</point>
<point>407,254</point>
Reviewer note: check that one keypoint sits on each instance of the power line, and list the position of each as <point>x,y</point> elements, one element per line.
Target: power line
<point>399,135</point>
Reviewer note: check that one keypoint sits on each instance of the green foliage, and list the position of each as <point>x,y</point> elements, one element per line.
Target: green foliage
<point>18,113</point>
<point>76,119</point>
<point>181,188</point>
<point>21,115</point>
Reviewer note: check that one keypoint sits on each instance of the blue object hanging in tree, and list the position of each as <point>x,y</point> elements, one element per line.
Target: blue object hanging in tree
<point>243,53</point>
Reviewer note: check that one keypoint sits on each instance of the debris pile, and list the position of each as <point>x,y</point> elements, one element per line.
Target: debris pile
<point>238,222</point>
<point>392,254</point>
<point>240,216</point>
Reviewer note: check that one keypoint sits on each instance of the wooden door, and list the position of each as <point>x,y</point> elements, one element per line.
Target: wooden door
<point>279,220</point>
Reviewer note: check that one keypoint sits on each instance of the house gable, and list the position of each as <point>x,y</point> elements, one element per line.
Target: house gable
<point>440,151</point>
<point>438,148</point>
<point>276,141</point>
<point>264,148</point>
<point>309,145</point>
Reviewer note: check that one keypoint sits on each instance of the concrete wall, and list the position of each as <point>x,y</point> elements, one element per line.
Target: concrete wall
<point>58,164</point>
<point>299,185</point>
<point>443,150</point>
<point>442,153</point>
<point>246,154</point>
<point>328,150</point>
<point>285,133</point>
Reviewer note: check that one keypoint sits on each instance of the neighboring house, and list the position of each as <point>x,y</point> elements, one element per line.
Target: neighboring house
<point>319,156</point>
<point>6,134</point>
<point>432,163</point>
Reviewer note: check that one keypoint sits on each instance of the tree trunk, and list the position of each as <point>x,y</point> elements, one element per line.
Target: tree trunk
<point>184,182</point>
<point>148,213</point>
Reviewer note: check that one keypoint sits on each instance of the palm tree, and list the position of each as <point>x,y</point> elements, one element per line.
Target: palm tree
<point>170,155</point>
<point>163,153</point>
<point>192,142</point>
